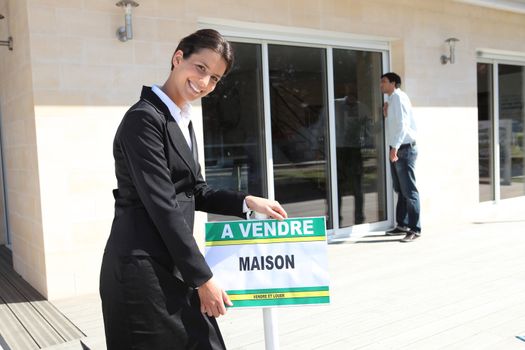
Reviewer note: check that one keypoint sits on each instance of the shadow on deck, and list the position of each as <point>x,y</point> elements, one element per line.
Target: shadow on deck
<point>27,319</point>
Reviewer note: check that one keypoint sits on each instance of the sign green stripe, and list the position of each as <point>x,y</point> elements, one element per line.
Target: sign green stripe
<point>265,229</point>
<point>276,302</point>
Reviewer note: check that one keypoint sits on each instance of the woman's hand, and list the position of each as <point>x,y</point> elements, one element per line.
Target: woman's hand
<point>213,299</point>
<point>266,206</point>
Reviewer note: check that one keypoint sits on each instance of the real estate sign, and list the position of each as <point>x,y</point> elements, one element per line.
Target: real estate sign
<point>264,263</point>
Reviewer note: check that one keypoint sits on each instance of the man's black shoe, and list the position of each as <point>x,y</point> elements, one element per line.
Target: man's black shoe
<point>398,230</point>
<point>410,237</point>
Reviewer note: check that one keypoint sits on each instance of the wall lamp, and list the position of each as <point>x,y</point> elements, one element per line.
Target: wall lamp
<point>9,41</point>
<point>125,33</point>
<point>452,46</point>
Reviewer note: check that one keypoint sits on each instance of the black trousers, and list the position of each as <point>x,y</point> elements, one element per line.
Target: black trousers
<point>350,180</point>
<point>146,307</point>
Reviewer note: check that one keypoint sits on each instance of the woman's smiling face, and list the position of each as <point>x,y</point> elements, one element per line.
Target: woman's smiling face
<point>197,75</point>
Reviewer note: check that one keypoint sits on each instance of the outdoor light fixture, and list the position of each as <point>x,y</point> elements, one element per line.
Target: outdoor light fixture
<point>9,41</point>
<point>125,33</point>
<point>451,45</point>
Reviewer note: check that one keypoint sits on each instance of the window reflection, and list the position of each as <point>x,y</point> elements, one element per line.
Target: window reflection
<point>299,129</point>
<point>234,127</point>
<point>511,120</point>
<point>485,153</point>
<point>359,137</point>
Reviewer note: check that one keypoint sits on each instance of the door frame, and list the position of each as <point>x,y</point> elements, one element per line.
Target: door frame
<point>3,184</point>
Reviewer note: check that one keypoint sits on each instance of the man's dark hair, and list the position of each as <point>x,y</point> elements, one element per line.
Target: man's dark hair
<point>393,78</point>
<point>206,39</point>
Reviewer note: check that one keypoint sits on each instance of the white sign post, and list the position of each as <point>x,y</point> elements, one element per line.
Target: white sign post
<point>271,328</point>
<point>270,321</point>
<point>270,263</point>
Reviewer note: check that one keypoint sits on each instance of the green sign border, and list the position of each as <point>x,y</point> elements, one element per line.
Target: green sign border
<point>214,230</point>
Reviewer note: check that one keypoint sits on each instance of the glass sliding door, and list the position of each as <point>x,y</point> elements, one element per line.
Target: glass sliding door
<point>511,80</point>
<point>361,195</point>
<point>304,149</point>
<point>505,84</point>
<point>233,122</point>
<point>485,132</point>
<point>298,99</point>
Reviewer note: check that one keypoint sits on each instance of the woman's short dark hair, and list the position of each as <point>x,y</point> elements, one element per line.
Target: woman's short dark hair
<point>206,39</point>
<point>393,78</point>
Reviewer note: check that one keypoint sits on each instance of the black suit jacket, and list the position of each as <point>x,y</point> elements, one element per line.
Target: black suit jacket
<point>159,188</point>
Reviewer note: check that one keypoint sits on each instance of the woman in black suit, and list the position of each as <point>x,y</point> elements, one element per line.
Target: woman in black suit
<point>156,288</point>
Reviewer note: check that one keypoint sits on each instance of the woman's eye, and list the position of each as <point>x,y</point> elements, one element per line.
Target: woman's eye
<point>201,68</point>
<point>215,79</point>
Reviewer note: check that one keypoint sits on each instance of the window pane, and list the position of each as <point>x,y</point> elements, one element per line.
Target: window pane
<point>234,127</point>
<point>485,131</point>
<point>511,120</point>
<point>359,137</point>
<point>299,129</point>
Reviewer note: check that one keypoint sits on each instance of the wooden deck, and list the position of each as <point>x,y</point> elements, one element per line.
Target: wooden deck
<point>27,319</point>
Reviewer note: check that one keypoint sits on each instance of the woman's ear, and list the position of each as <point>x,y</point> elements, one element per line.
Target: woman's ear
<point>177,58</point>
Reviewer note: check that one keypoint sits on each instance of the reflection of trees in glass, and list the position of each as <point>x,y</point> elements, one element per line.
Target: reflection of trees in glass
<point>296,126</point>
<point>297,97</point>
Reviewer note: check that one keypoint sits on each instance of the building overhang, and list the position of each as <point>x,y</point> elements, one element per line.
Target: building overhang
<point>516,6</point>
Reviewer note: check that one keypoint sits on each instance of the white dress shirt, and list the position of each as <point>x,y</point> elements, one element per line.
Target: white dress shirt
<point>400,122</point>
<point>181,116</point>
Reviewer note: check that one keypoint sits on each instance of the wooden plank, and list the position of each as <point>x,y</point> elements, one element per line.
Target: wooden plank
<point>52,320</point>
<point>36,318</point>
<point>66,329</point>
<point>39,329</point>
<point>13,332</point>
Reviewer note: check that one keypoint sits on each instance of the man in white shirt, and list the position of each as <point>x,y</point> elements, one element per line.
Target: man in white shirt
<point>401,138</point>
